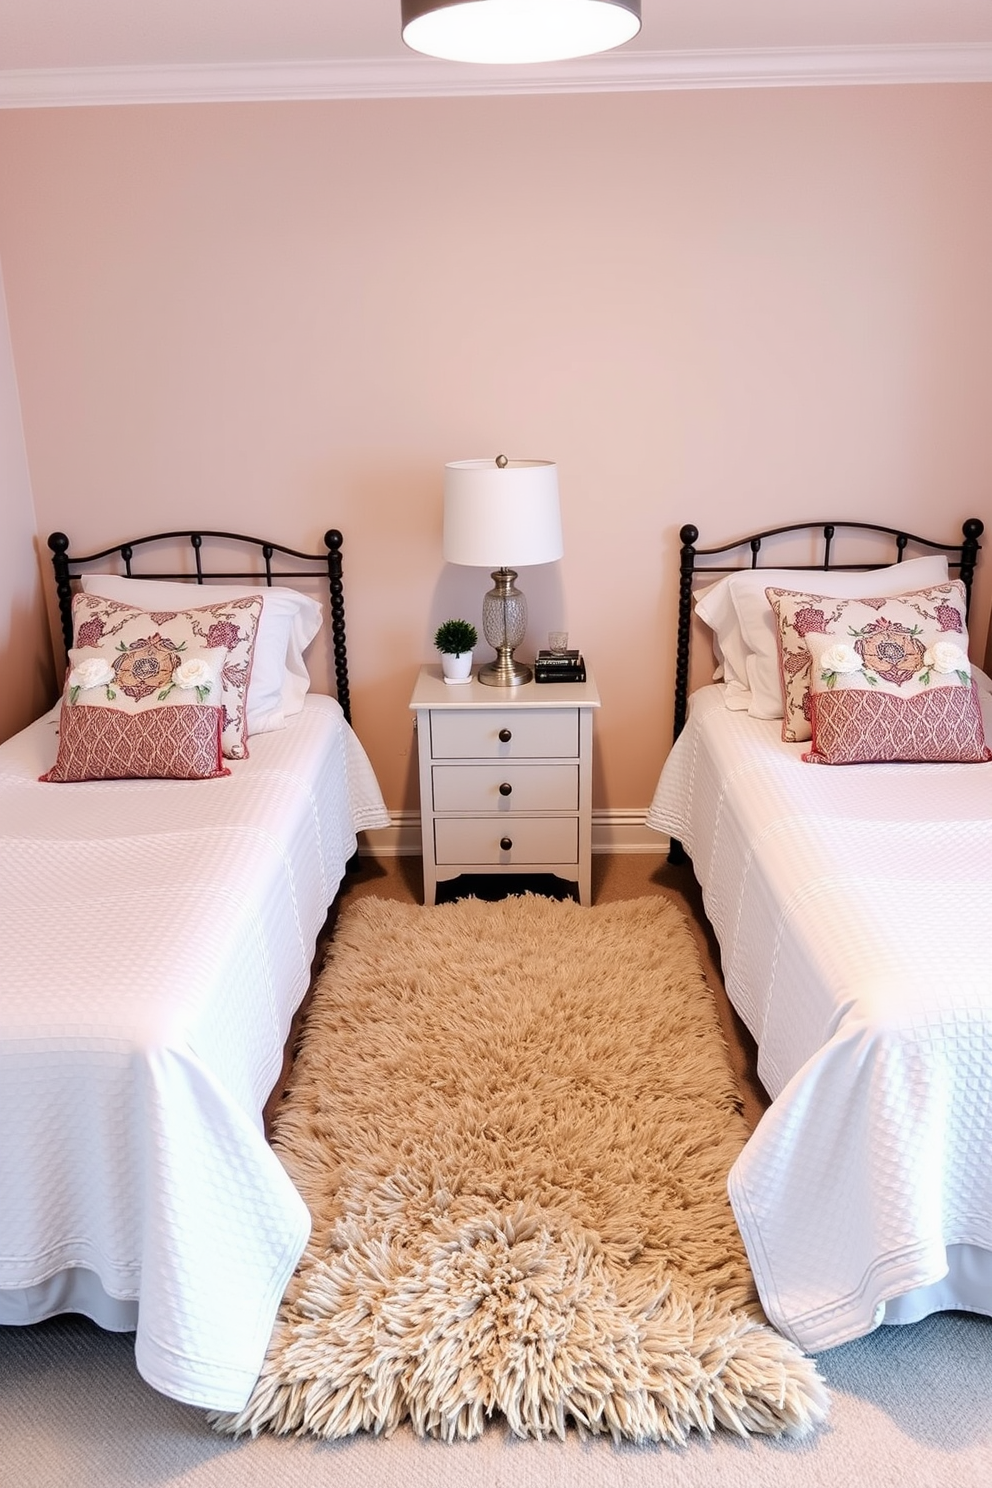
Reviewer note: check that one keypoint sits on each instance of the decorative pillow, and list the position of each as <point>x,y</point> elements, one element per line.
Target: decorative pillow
<point>141,647</point>
<point>736,610</point>
<point>290,621</point>
<point>851,727</point>
<point>885,678</point>
<point>757,623</point>
<point>172,742</point>
<point>148,708</point>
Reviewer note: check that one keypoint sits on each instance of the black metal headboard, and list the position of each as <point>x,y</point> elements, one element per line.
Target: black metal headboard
<point>67,568</point>
<point>960,555</point>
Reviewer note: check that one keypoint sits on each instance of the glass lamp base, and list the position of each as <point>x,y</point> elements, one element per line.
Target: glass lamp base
<point>504,624</point>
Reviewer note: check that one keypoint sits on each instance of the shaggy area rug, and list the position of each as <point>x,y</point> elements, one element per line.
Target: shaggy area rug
<point>513,1124</point>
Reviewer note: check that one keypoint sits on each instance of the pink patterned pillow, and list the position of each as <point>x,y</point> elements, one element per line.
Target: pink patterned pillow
<point>143,648</point>
<point>181,742</point>
<point>889,634</point>
<point>851,727</point>
<point>885,679</point>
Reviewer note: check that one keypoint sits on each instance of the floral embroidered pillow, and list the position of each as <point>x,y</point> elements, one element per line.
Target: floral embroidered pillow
<point>132,660</point>
<point>872,680</point>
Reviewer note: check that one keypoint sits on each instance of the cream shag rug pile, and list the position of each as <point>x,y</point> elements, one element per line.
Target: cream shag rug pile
<point>513,1124</point>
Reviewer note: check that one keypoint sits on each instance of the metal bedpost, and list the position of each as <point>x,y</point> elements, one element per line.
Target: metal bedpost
<point>59,544</point>
<point>687,561</point>
<point>970,548</point>
<point>333,541</point>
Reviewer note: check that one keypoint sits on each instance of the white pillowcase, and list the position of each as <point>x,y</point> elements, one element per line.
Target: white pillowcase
<point>715,608</point>
<point>737,611</point>
<point>290,620</point>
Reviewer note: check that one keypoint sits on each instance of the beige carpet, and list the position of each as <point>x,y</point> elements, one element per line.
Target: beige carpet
<point>512,1123</point>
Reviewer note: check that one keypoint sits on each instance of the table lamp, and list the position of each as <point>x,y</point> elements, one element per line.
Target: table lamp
<point>498,512</point>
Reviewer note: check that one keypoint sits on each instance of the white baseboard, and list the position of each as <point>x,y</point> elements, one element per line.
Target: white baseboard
<point>612,831</point>
<point>625,832</point>
<point>400,840</point>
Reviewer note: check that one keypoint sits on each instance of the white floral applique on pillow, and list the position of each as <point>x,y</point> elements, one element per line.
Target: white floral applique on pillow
<point>164,674</point>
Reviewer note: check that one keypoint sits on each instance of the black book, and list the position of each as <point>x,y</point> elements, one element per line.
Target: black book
<point>559,674</point>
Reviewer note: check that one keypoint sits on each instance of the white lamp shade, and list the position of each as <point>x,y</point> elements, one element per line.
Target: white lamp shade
<point>509,31</point>
<point>501,517</point>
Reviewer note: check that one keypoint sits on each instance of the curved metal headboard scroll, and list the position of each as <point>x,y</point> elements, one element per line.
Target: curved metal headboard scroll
<point>67,568</point>
<point>962,556</point>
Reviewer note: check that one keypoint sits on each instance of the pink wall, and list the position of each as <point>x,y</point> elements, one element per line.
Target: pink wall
<point>733,308</point>
<point>26,676</point>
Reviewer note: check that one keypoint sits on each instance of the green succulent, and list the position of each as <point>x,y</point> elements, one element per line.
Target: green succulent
<point>452,637</point>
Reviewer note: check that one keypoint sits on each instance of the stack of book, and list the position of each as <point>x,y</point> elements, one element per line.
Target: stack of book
<point>559,666</point>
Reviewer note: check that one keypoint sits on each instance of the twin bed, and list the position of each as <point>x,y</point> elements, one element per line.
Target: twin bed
<point>156,938</point>
<point>852,907</point>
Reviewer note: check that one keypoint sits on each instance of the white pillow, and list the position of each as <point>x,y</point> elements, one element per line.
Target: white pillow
<point>290,620</point>
<point>715,608</point>
<point>737,611</point>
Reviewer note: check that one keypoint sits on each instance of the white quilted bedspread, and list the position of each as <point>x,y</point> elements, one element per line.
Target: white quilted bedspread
<point>853,907</point>
<point>155,940</point>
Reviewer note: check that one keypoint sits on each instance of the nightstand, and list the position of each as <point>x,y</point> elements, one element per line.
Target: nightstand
<point>505,778</point>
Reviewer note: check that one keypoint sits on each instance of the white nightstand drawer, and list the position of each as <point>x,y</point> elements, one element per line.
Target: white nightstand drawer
<point>506,788</point>
<point>504,733</point>
<point>531,840</point>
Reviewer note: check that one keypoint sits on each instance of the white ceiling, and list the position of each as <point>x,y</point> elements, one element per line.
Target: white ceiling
<point>56,44</point>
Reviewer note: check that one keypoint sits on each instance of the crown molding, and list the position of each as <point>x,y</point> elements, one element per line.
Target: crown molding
<point>420,77</point>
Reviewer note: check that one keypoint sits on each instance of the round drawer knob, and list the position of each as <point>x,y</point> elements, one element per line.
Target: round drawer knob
<point>506,843</point>
<point>506,789</point>
<point>505,736</point>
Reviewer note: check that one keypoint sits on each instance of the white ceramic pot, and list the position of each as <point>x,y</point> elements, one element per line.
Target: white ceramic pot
<point>457,666</point>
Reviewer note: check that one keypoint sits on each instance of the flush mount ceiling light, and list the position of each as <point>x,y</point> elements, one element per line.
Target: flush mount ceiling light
<point>518,30</point>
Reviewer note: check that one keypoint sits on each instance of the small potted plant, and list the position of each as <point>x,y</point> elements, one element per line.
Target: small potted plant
<point>454,639</point>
